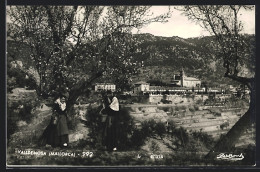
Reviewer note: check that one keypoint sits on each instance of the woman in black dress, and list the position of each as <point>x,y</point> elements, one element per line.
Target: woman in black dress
<point>111,124</point>
<point>56,133</point>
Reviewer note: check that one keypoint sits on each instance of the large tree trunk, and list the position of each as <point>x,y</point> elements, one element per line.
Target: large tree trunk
<point>227,142</point>
<point>83,87</point>
<point>74,95</point>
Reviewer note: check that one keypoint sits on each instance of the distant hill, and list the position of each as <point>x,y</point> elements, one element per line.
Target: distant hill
<point>162,58</point>
<point>165,56</point>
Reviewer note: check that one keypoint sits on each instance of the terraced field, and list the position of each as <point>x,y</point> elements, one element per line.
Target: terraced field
<point>200,120</point>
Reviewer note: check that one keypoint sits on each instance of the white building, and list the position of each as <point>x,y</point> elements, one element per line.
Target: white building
<point>105,86</point>
<point>183,81</point>
<point>190,82</point>
<point>141,86</point>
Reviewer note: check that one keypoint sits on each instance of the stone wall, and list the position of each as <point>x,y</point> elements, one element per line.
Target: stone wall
<point>177,98</point>
<point>199,120</point>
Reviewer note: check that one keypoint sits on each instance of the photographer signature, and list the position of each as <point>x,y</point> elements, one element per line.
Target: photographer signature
<point>230,156</point>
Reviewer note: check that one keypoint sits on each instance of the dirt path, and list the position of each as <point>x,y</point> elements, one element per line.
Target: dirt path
<point>28,134</point>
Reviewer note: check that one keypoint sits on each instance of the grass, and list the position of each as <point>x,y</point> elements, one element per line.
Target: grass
<point>189,155</point>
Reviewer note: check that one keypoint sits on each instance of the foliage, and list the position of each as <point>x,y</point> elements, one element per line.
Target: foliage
<point>196,107</point>
<point>182,107</point>
<point>138,99</point>
<point>75,46</point>
<point>199,102</point>
<point>195,55</point>
<point>96,127</point>
<point>157,82</point>
<point>138,138</point>
<point>148,128</point>
<point>206,139</point>
<point>182,135</point>
<point>11,121</point>
<point>73,120</point>
<point>160,129</point>
<point>11,83</point>
<point>230,45</point>
<point>231,49</point>
<point>94,123</point>
<point>129,137</point>
<point>169,51</point>
<point>19,111</point>
<point>17,77</point>
<point>191,109</point>
<point>154,146</point>
<point>126,126</point>
<point>166,109</point>
<point>18,74</point>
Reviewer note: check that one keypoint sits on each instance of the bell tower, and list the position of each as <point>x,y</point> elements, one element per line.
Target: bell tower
<point>182,75</point>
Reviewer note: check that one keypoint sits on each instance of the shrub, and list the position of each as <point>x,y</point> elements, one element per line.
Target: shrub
<point>138,138</point>
<point>96,127</point>
<point>19,76</point>
<point>126,126</point>
<point>154,146</point>
<point>73,120</point>
<point>191,109</point>
<point>160,129</point>
<point>134,99</point>
<point>12,116</point>
<point>11,83</point>
<point>94,124</point>
<point>217,114</point>
<point>199,101</point>
<point>31,83</point>
<point>165,109</point>
<point>196,107</point>
<point>182,107</point>
<point>21,110</point>
<point>171,125</point>
<point>182,135</point>
<point>205,138</point>
<point>148,128</point>
<point>151,127</point>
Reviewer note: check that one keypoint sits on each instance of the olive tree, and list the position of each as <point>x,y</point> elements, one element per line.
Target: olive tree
<point>222,21</point>
<point>73,47</point>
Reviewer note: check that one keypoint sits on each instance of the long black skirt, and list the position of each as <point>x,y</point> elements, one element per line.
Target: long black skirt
<point>110,133</point>
<point>50,136</point>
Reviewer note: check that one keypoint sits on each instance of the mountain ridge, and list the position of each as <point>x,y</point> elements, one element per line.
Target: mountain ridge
<point>165,56</point>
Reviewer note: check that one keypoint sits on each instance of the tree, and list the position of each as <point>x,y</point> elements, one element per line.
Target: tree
<point>75,46</point>
<point>222,21</point>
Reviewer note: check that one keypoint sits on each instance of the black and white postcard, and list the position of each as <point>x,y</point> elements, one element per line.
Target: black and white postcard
<point>130,86</point>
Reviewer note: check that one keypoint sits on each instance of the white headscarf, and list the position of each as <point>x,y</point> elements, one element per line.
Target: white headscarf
<point>114,104</point>
<point>61,105</point>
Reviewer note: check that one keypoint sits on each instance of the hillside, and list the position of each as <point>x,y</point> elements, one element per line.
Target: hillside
<point>165,56</point>
<point>162,57</point>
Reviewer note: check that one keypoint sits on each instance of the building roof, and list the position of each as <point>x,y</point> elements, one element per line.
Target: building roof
<point>141,82</point>
<point>191,79</point>
<point>170,88</point>
<point>104,84</point>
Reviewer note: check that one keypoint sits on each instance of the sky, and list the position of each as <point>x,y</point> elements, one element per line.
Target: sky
<point>179,25</point>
